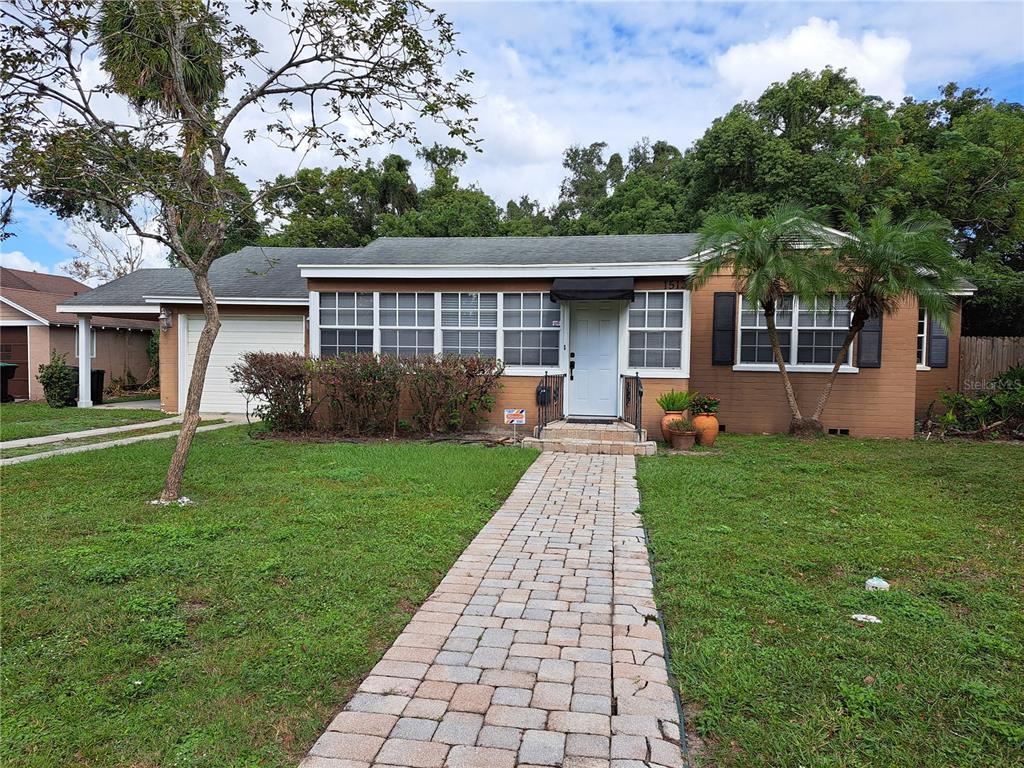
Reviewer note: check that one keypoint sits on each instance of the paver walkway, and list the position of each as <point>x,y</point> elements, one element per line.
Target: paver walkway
<point>540,647</point>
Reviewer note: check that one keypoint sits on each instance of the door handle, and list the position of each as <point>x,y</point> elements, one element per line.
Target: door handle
<point>572,364</point>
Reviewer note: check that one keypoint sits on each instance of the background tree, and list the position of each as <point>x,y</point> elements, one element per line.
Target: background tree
<point>103,256</point>
<point>185,71</point>
<point>770,257</point>
<point>444,209</point>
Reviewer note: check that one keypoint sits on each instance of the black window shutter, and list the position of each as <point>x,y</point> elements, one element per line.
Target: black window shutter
<point>869,344</point>
<point>723,331</point>
<point>938,345</point>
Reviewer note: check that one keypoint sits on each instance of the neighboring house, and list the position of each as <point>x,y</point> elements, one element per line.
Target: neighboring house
<point>31,327</point>
<point>596,309</point>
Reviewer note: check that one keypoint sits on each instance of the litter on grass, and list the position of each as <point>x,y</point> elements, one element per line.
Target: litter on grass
<point>866,618</point>
<point>875,584</point>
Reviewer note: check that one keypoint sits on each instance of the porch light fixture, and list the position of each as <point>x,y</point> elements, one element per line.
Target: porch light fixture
<point>165,320</point>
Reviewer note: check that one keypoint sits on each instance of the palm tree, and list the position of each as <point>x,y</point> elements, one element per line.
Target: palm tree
<point>770,257</point>
<point>885,263</point>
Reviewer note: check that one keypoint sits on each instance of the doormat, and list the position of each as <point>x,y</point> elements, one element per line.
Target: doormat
<point>589,420</point>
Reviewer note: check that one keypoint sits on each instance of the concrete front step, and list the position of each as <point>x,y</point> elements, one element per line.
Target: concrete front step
<point>617,431</point>
<point>583,445</point>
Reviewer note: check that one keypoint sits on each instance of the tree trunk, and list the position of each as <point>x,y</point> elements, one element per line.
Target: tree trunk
<point>190,414</point>
<point>773,337</point>
<point>855,328</point>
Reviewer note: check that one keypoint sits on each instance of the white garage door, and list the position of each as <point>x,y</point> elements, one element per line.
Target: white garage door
<point>237,336</point>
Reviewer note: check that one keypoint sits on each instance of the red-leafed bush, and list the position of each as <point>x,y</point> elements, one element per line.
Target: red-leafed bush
<point>362,394</point>
<point>451,393</point>
<point>277,386</point>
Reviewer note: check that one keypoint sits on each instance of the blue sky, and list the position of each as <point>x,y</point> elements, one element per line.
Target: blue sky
<point>552,74</point>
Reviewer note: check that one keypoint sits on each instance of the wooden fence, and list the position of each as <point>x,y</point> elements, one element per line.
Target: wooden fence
<point>982,357</point>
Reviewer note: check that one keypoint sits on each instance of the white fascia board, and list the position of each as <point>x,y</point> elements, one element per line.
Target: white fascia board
<point>108,309</point>
<point>454,271</point>
<point>24,311</point>
<point>963,292</point>
<point>261,300</point>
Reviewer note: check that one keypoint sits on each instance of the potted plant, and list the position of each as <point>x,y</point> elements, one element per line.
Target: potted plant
<point>680,434</point>
<point>704,411</point>
<point>674,404</point>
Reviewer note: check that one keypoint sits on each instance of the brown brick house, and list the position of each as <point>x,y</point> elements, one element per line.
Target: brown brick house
<point>594,310</point>
<point>31,328</point>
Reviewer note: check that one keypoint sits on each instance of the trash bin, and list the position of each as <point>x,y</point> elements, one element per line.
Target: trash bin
<point>96,385</point>
<point>6,374</point>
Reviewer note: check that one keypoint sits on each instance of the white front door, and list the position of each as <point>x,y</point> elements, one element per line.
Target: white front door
<point>594,348</point>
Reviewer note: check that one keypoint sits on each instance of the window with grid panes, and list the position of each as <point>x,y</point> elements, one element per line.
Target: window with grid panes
<point>532,326</point>
<point>406,324</point>
<point>346,323</point>
<point>469,324</point>
<point>822,325</point>
<point>656,329</point>
<point>755,347</point>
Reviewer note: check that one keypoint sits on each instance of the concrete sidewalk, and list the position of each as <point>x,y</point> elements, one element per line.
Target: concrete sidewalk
<point>540,647</point>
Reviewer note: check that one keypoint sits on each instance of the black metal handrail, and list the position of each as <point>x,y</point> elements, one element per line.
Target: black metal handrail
<point>633,401</point>
<point>549,399</point>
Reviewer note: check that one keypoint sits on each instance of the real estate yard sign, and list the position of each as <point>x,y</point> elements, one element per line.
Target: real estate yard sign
<point>515,417</point>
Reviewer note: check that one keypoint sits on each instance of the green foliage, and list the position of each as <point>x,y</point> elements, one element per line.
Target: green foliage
<point>59,381</point>
<point>136,51</point>
<point>704,405</point>
<point>889,261</point>
<point>999,413</point>
<point>681,425</point>
<point>675,400</point>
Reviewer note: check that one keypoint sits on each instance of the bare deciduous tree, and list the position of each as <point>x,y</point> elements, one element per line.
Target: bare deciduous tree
<point>183,80</point>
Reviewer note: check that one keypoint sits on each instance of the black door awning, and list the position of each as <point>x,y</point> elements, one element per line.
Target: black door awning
<point>570,288</point>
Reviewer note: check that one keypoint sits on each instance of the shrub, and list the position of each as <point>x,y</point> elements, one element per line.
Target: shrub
<point>451,393</point>
<point>675,401</point>
<point>59,380</point>
<point>681,425</point>
<point>704,405</point>
<point>279,385</point>
<point>998,413</point>
<point>362,392</point>
<point>1009,380</point>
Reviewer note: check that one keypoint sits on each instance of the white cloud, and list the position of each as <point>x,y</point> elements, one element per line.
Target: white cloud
<point>879,63</point>
<point>18,260</point>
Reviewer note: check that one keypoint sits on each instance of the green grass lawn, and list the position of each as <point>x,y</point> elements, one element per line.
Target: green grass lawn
<point>761,552</point>
<point>224,633</point>
<point>143,430</point>
<point>20,420</point>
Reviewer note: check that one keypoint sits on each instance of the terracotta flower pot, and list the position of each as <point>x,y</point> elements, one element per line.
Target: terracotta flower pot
<point>682,441</point>
<point>706,425</point>
<point>667,419</point>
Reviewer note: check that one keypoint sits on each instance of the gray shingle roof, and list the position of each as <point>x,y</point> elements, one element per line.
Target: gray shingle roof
<point>253,272</point>
<point>587,249</point>
<point>272,272</point>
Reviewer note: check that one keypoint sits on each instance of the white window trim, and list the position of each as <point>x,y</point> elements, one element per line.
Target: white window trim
<point>922,359</point>
<point>682,372</point>
<point>439,339</point>
<point>374,328</point>
<point>92,343</point>
<point>791,365</point>
<point>530,370</point>
<point>379,328</point>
